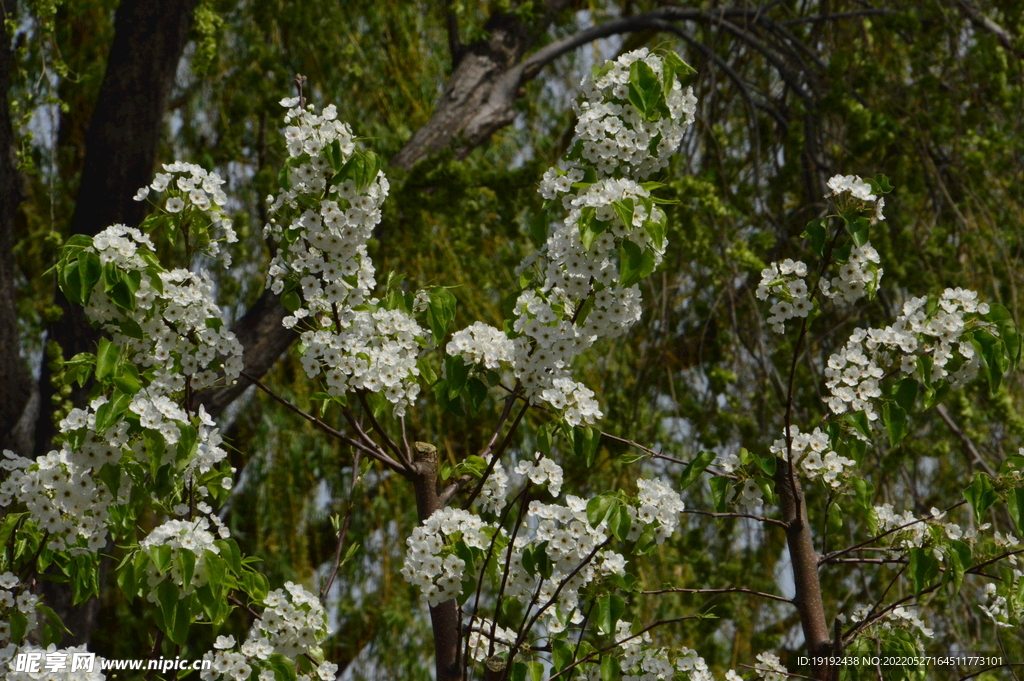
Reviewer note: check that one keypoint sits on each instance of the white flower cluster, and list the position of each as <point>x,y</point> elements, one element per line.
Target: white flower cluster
<point>611,135</point>
<point>770,667</point>
<point>61,496</point>
<point>570,541</point>
<point>581,298</point>
<point>812,455</point>
<point>750,498</point>
<point>897,618</point>
<point>481,344</point>
<point>853,373</point>
<point>913,531</point>
<point>480,639</point>
<point>641,662</point>
<point>545,470</point>
<point>55,664</point>
<point>11,601</point>
<point>785,280</point>
<point>858,189</point>
<point>570,544</point>
<point>184,535</point>
<point>291,625</point>
<point>659,503</point>
<point>856,276</point>
<point>183,335</point>
<point>492,494</point>
<point>321,228</point>
<point>428,565</point>
<point>1001,610</point>
<point>195,192</point>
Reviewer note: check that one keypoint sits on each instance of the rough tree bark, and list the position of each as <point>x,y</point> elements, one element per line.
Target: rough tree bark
<point>15,380</point>
<point>444,617</point>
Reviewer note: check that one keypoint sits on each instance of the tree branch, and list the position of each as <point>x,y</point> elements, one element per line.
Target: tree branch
<point>983,22</point>
<point>729,590</point>
<point>375,453</point>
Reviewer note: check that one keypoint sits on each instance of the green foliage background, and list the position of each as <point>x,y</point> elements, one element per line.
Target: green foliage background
<point>919,94</point>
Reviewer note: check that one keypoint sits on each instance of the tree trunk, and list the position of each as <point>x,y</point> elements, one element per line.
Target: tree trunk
<point>15,380</point>
<point>444,617</point>
<point>804,559</point>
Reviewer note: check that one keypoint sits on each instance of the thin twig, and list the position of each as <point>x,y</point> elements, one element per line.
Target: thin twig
<point>377,454</point>
<point>728,590</point>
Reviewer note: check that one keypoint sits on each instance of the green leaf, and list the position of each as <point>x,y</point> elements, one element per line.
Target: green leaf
<point>232,556</point>
<point>610,608</point>
<point>906,394</point>
<point>720,492</point>
<point>19,623</point>
<point>585,442</point>
<point>860,231</point>
<point>599,507</point>
<point>817,233</point>
<point>609,668</point>
<point>187,442</point>
<point>10,522</point>
<point>625,209</point>
<point>291,301</point>
<point>993,358</point>
<point>52,617</point>
<point>476,393</point>
<point>561,654</point>
<point>456,374</point>
<point>620,523</point>
<point>589,228</point>
<point>1014,500</point>
<point>835,518</point>
<point>161,557</point>
<point>182,619</point>
<point>923,567</point>
<point>106,358</point>
<point>1008,333</point>
<point>126,580</point>
<point>90,271</point>
<point>959,560</point>
<point>440,312</point>
<point>634,263</point>
<point>694,469</point>
<point>895,419</point>
<point>859,421</point>
<point>879,185</point>
<point>186,561</point>
<point>110,413</point>
<point>980,495</point>
<point>863,493</point>
<point>167,603</point>
<point>645,90</point>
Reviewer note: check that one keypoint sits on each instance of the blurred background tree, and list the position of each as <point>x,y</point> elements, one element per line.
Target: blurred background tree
<point>470,99</point>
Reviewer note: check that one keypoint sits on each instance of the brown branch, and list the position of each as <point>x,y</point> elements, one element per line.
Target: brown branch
<point>828,557</point>
<point>728,590</point>
<point>377,453</point>
<point>658,455</point>
<point>758,518</point>
<point>965,439</point>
